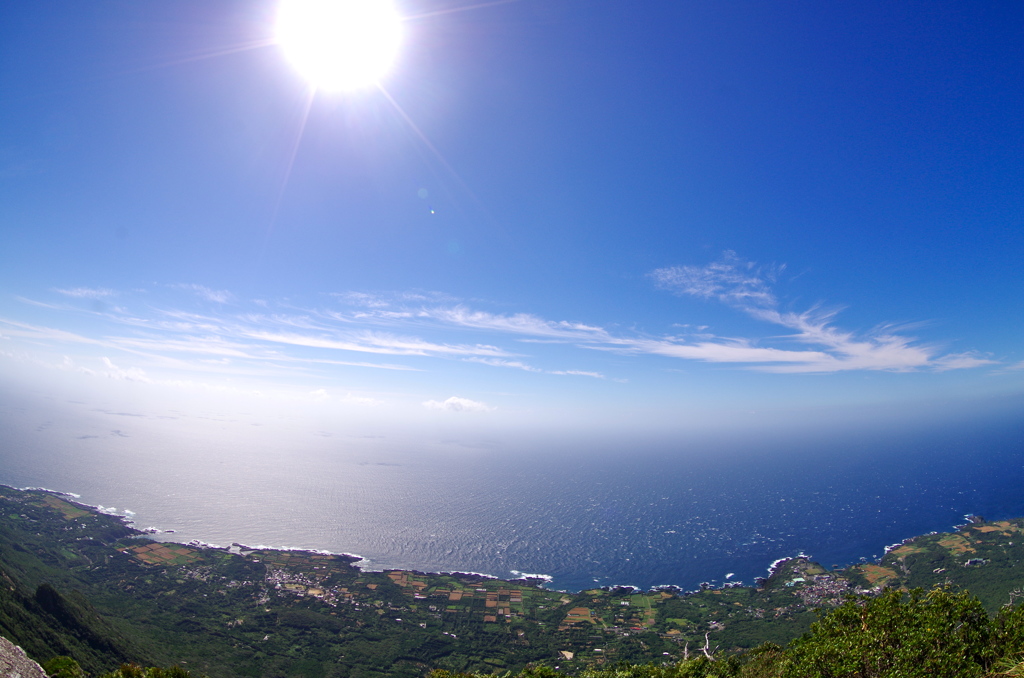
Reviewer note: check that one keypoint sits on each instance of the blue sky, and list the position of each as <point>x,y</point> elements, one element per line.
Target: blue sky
<point>556,217</point>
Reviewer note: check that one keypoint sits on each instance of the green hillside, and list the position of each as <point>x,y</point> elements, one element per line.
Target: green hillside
<point>81,584</point>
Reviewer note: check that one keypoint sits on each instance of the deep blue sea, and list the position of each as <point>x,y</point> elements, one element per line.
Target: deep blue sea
<point>678,514</point>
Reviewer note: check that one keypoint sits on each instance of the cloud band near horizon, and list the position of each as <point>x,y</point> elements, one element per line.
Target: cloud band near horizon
<point>227,334</point>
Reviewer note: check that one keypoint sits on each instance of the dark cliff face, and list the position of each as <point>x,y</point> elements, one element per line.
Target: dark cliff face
<point>13,662</point>
<point>77,618</point>
<point>50,623</point>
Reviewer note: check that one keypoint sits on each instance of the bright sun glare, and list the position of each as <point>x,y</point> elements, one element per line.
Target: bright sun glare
<point>340,45</point>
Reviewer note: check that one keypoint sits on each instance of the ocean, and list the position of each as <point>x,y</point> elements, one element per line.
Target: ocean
<point>673,513</point>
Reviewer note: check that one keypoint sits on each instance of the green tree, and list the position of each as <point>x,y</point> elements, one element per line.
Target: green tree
<point>937,634</point>
<point>1008,640</point>
<point>63,667</point>
<point>1008,630</point>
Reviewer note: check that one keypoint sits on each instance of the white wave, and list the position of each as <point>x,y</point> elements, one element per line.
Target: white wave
<point>301,549</point>
<point>526,575</point>
<point>471,574</point>
<point>46,489</point>
<point>195,543</point>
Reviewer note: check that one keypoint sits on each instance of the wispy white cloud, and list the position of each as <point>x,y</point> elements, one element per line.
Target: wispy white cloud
<point>86,293</point>
<point>371,342</point>
<point>208,346</point>
<point>498,362</point>
<point>218,346</point>
<point>106,369</point>
<point>747,286</point>
<point>203,292</point>
<point>388,299</point>
<point>723,350</point>
<point>457,404</point>
<point>41,334</point>
<point>959,361</point>
<point>519,323</point>
<point>363,299</point>
<point>730,280</point>
<point>833,350</point>
<point>131,374</point>
<point>579,373</point>
<point>814,344</point>
<point>280,339</point>
<point>350,399</point>
<point>43,304</point>
<point>161,350</point>
<point>519,365</point>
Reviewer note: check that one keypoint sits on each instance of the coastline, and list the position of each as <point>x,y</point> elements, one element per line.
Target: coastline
<point>356,560</point>
<point>126,516</point>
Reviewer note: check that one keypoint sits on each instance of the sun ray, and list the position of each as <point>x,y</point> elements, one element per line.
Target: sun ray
<point>441,159</point>
<point>456,10</point>
<point>307,105</point>
<point>205,54</point>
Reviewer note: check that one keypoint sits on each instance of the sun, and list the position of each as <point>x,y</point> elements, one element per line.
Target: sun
<point>340,45</point>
